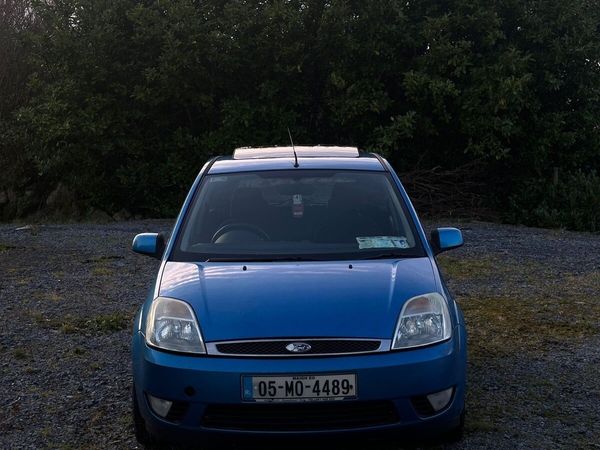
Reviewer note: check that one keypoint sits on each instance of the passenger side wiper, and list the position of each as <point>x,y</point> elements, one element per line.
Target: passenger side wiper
<point>390,255</point>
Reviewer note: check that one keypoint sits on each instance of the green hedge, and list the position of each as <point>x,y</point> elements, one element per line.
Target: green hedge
<point>572,201</point>
<point>122,101</point>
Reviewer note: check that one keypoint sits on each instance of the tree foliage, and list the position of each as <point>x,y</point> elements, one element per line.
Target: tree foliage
<point>122,100</point>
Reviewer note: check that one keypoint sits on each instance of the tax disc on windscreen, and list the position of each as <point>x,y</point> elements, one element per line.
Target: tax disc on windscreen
<point>297,206</point>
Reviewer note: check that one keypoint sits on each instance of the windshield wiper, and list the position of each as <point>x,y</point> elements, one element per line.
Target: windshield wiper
<point>390,255</point>
<point>250,259</point>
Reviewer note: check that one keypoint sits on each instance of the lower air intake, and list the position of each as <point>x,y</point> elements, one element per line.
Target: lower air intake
<point>300,416</point>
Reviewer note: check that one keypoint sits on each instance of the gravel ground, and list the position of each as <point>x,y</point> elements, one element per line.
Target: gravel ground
<point>68,294</point>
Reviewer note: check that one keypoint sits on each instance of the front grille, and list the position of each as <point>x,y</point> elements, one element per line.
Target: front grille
<point>318,347</point>
<point>300,416</point>
<point>422,406</point>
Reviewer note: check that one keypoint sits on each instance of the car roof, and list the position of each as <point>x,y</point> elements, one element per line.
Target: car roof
<point>280,158</point>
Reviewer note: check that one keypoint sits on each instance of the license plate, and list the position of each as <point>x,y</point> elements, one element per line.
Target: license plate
<point>296,388</point>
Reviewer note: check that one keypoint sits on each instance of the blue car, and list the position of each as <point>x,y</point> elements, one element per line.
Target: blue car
<point>297,295</point>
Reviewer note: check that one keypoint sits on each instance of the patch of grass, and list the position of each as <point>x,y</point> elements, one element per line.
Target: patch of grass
<point>39,318</point>
<point>102,271</point>
<point>111,322</point>
<point>496,269</point>
<point>52,296</point>
<point>479,425</point>
<point>525,308</point>
<point>23,281</point>
<point>125,421</point>
<point>69,327</point>
<point>21,353</point>
<point>101,265</point>
<point>101,259</point>
<point>63,446</point>
<point>507,325</point>
<point>589,281</point>
<point>466,268</point>
<point>107,323</point>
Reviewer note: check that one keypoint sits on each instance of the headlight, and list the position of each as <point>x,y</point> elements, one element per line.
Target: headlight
<point>424,320</point>
<point>171,325</point>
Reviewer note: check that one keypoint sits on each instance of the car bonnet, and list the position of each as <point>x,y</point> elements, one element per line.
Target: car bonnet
<point>306,299</point>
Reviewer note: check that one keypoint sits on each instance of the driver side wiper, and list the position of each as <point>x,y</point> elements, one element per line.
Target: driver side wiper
<point>251,259</point>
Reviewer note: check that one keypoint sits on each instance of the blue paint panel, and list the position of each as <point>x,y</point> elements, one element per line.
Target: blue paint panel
<point>449,238</point>
<point>145,243</point>
<point>320,299</point>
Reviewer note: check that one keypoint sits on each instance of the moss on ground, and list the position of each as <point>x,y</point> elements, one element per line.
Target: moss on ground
<point>22,353</point>
<point>540,310</point>
<point>467,268</point>
<point>506,325</point>
<point>102,271</point>
<point>23,281</point>
<point>47,296</point>
<point>106,323</point>
<point>526,311</point>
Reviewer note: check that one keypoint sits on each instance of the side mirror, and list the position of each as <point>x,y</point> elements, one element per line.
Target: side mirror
<point>444,239</point>
<point>151,244</point>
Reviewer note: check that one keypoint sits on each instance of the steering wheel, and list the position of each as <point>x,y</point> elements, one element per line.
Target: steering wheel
<point>240,226</point>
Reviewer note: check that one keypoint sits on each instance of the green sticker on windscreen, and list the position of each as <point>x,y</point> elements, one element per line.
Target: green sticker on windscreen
<point>382,242</point>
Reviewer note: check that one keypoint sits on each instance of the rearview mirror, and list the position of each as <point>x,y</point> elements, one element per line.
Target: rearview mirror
<point>444,239</point>
<point>151,244</point>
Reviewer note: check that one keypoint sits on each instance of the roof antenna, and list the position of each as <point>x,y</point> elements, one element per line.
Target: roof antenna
<point>294,149</point>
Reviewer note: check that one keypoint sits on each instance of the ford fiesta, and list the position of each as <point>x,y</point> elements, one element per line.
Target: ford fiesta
<point>298,295</point>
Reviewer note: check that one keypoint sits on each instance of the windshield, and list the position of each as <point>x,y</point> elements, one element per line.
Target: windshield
<point>296,215</point>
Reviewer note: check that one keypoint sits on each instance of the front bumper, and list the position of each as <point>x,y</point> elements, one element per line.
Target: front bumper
<point>200,383</point>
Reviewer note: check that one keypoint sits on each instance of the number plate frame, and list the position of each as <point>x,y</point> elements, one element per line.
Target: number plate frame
<point>249,385</point>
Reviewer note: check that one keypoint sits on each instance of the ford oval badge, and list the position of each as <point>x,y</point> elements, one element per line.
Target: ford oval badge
<point>298,347</point>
